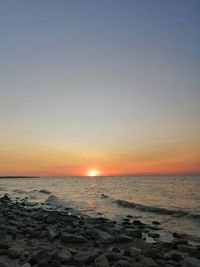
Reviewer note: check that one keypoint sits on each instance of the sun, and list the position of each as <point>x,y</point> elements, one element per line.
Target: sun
<point>92,172</point>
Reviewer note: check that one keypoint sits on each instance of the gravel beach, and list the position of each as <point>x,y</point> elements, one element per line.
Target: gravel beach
<point>33,236</point>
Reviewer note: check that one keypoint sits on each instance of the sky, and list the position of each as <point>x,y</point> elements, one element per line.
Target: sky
<point>110,85</point>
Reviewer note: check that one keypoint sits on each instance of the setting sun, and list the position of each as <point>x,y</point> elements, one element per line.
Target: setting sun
<point>92,172</point>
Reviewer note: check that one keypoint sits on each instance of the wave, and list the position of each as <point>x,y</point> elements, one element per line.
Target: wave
<point>54,201</point>
<point>158,210</point>
<point>41,191</point>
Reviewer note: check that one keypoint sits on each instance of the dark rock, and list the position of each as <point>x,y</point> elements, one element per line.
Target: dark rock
<point>134,252</point>
<point>104,237</point>
<point>191,262</point>
<point>102,261</point>
<point>64,256</point>
<point>156,223</point>
<point>40,256</point>
<point>71,238</point>
<point>26,265</point>
<point>154,253</point>
<point>4,263</point>
<point>186,248</point>
<point>154,235</point>
<point>52,234</point>
<point>176,257</point>
<point>87,256</point>
<point>14,252</point>
<point>122,238</point>
<point>148,262</point>
<point>136,233</point>
<point>123,263</point>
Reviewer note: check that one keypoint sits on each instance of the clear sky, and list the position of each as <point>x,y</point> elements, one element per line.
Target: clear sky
<point>112,85</point>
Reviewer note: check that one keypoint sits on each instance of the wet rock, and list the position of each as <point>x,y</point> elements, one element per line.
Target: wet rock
<point>72,238</point>
<point>52,234</point>
<point>154,235</point>
<point>114,249</point>
<point>134,252</point>
<point>26,265</point>
<point>148,262</point>
<point>186,249</point>
<point>4,263</point>
<point>104,237</point>
<point>87,256</point>
<point>102,261</point>
<point>14,252</point>
<point>136,233</point>
<point>156,223</point>
<point>122,238</point>
<point>122,263</point>
<point>176,257</point>
<point>180,241</point>
<point>154,253</point>
<point>40,256</point>
<point>191,262</point>
<point>64,256</point>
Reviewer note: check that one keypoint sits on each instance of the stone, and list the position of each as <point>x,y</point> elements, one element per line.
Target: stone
<point>104,237</point>
<point>64,256</point>
<point>102,261</point>
<point>26,265</point>
<point>154,253</point>
<point>52,234</point>
<point>4,263</point>
<point>122,238</point>
<point>154,235</point>
<point>122,263</point>
<point>134,252</point>
<point>40,256</point>
<point>176,257</point>
<point>186,249</point>
<point>191,262</point>
<point>14,252</point>
<point>87,256</point>
<point>136,233</point>
<point>73,238</point>
<point>148,262</point>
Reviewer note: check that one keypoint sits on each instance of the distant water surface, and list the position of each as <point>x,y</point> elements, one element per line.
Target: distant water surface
<point>172,200</point>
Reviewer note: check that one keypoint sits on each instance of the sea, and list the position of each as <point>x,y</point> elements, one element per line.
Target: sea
<point>173,201</point>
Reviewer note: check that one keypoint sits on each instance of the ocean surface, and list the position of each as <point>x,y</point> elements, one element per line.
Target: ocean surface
<point>172,200</point>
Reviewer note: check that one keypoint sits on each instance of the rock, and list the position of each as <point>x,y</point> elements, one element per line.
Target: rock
<point>4,263</point>
<point>52,234</point>
<point>14,252</point>
<point>154,235</point>
<point>87,256</point>
<point>191,262</point>
<point>186,249</point>
<point>154,253</point>
<point>148,262</point>
<point>40,256</point>
<point>122,238</point>
<point>180,241</point>
<point>26,265</point>
<point>72,238</point>
<point>102,261</point>
<point>134,252</point>
<point>156,223</point>
<point>136,233</point>
<point>176,257</point>
<point>104,237</point>
<point>122,263</point>
<point>64,256</point>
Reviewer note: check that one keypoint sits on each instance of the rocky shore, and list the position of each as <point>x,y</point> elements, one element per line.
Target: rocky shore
<point>32,236</point>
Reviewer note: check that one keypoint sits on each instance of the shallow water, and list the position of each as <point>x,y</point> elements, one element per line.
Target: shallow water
<point>142,197</point>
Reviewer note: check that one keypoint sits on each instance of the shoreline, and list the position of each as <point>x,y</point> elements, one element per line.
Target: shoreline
<point>33,236</point>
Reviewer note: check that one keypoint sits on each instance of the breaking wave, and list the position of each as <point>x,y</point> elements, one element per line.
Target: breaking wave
<point>158,210</point>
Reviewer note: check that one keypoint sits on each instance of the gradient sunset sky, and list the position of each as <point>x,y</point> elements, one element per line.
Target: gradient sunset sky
<point>112,85</point>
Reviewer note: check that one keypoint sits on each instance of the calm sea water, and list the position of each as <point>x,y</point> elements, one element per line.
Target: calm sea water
<point>172,200</point>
